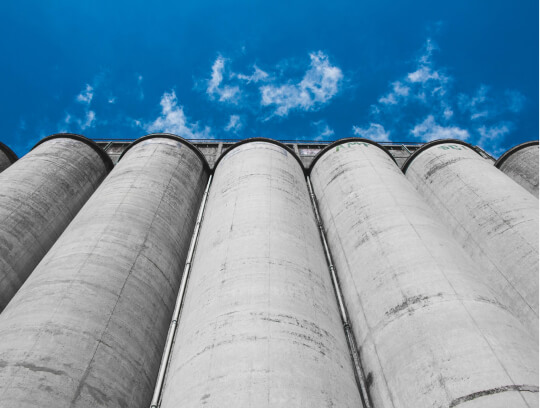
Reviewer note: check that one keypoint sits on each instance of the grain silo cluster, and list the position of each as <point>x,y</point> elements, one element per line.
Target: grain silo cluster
<point>267,274</point>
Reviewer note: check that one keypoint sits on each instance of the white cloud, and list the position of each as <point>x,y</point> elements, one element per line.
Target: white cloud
<point>89,121</point>
<point>111,100</point>
<point>430,130</point>
<point>398,91</point>
<point>375,132</point>
<point>475,105</point>
<point>215,89</point>
<point>234,125</point>
<point>85,97</point>
<point>323,130</point>
<point>173,120</point>
<point>319,84</point>
<point>257,76</point>
<point>492,137</point>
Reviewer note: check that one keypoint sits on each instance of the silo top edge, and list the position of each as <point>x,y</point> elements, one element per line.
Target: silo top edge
<point>513,150</point>
<point>430,145</point>
<point>347,140</point>
<point>173,137</point>
<point>260,139</point>
<point>8,152</point>
<point>104,156</point>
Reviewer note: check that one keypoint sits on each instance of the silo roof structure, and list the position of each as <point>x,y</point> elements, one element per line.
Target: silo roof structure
<point>7,157</point>
<point>520,163</point>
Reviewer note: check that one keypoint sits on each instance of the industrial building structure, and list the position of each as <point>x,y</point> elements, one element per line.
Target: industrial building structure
<point>258,273</point>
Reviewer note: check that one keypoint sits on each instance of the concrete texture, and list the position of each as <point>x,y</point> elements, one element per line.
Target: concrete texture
<point>520,163</point>
<point>7,157</point>
<point>430,332</point>
<point>494,219</point>
<point>87,328</point>
<point>39,196</point>
<point>260,325</point>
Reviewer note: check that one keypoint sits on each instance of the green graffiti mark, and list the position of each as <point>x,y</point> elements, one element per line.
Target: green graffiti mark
<point>351,144</point>
<point>448,147</point>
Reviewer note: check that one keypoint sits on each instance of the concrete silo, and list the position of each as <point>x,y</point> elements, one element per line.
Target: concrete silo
<point>520,163</point>
<point>494,219</point>
<point>87,328</point>
<point>260,325</point>
<point>7,157</point>
<point>430,332</point>
<point>39,196</point>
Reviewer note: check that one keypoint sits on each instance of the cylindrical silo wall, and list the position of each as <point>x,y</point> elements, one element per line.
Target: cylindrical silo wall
<point>260,325</point>
<point>88,327</point>
<point>494,218</point>
<point>39,196</point>
<point>521,165</point>
<point>430,332</point>
<point>7,157</point>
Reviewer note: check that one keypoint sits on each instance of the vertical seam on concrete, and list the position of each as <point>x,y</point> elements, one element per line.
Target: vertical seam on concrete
<point>351,340</point>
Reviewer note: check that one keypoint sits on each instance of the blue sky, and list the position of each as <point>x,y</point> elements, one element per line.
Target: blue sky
<point>295,70</point>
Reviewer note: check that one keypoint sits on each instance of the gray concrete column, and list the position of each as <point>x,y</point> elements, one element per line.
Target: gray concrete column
<point>520,163</point>
<point>260,325</point>
<point>430,331</point>
<point>39,196</point>
<point>7,157</point>
<point>494,219</point>
<point>88,327</point>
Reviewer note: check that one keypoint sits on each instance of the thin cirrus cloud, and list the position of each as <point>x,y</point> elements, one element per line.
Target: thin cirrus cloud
<point>78,123</point>
<point>275,95</point>
<point>216,90</point>
<point>234,124</point>
<point>374,131</point>
<point>173,120</point>
<point>427,92</point>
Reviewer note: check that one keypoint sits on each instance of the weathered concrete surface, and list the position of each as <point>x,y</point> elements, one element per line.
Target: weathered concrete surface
<point>494,219</point>
<point>39,196</point>
<point>521,164</point>
<point>87,328</point>
<point>7,157</point>
<point>260,325</point>
<point>430,332</point>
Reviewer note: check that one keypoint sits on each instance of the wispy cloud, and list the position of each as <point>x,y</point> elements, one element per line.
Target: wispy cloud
<point>86,95</point>
<point>427,91</point>
<point>173,120</point>
<point>216,89</point>
<point>430,130</point>
<point>324,132</point>
<point>234,124</point>
<point>319,84</point>
<point>375,132</point>
<point>140,91</point>
<point>258,76</point>
<point>269,93</point>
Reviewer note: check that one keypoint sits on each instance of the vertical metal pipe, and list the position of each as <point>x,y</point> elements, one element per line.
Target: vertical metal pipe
<point>358,370</point>
<point>156,398</point>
